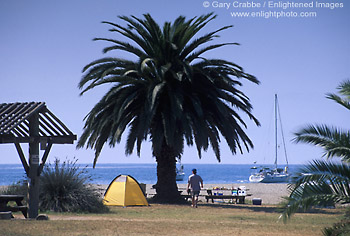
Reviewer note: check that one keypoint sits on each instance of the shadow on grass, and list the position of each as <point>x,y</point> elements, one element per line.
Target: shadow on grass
<point>266,208</point>
<point>176,201</point>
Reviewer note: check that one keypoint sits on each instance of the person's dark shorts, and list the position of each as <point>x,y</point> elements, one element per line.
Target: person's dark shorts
<point>195,193</point>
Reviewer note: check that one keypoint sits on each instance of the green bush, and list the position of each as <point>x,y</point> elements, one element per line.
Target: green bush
<point>64,188</point>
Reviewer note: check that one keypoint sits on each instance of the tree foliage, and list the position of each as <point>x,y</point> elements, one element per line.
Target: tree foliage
<point>170,94</point>
<point>344,95</point>
<point>322,183</point>
<point>335,142</point>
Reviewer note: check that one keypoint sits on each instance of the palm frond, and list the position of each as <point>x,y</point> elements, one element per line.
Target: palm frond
<point>123,46</point>
<point>344,91</point>
<point>196,54</point>
<point>345,102</point>
<point>335,142</point>
<point>198,42</point>
<point>319,183</point>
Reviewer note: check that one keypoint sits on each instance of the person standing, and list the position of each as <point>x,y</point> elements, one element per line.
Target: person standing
<point>195,182</point>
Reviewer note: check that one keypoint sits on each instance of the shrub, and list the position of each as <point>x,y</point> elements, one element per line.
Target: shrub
<point>64,188</point>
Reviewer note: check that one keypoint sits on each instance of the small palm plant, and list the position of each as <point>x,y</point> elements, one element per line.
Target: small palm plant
<point>65,188</point>
<point>320,183</point>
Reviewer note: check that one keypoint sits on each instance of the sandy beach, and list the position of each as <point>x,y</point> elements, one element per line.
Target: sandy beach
<point>270,194</point>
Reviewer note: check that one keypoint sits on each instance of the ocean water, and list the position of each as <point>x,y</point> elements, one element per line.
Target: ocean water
<point>146,173</point>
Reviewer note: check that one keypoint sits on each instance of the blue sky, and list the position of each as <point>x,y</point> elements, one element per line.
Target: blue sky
<point>45,44</point>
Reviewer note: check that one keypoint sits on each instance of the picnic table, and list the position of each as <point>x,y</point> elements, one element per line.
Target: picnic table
<point>240,199</point>
<point>5,199</point>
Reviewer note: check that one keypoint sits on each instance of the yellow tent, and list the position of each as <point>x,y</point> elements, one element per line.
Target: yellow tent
<point>124,190</point>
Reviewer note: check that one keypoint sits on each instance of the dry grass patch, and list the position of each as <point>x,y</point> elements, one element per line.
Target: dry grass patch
<point>208,219</point>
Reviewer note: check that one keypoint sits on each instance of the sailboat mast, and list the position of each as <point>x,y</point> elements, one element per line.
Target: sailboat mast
<point>276,130</point>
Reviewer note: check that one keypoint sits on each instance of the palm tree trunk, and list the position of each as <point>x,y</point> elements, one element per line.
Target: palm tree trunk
<point>166,187</point>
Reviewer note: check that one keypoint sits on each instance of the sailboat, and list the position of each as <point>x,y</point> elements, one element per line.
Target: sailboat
<point>276,175</point>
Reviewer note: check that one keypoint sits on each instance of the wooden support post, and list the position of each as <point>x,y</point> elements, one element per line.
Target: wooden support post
<point>33,192</point>
<point>46,154</point>
<point>22,158</point>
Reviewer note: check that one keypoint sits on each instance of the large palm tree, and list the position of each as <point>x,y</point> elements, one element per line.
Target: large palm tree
<point>323,182</point>
<point>170,94</point>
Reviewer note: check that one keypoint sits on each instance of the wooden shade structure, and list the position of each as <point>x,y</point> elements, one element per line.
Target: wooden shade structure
<point>32,123</point>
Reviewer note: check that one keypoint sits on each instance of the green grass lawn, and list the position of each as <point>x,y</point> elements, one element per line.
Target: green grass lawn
<point>208,219</point>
